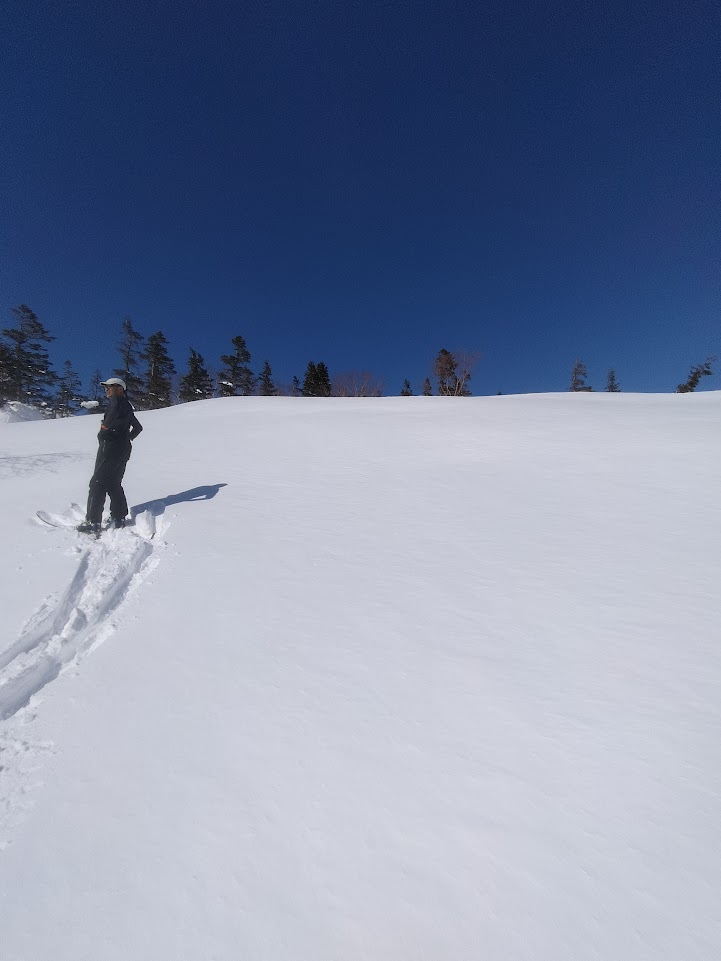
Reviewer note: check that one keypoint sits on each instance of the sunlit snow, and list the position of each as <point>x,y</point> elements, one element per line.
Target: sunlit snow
<point>367,680</point>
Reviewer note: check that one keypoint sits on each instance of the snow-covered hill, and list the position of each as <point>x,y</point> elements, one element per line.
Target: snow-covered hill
<point>389,679</point>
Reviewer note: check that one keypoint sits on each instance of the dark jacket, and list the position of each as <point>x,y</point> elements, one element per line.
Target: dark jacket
<point>119,427</point>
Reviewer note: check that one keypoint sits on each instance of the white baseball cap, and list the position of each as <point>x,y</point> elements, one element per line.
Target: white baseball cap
<point>113,380</point>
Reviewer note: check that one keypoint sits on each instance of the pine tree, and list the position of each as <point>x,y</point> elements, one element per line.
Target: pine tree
<point>445,370</point>
<point>130,349</point>
<point>96,394</point>
<point>196,384</point>
<point>5,374</point>
<point>323,381</point>
<point>158,374</point>
<point>27,372</point>
<point>96,390</point>
<point>296,389</point>
<point>67,400</point>
<point>406,389</point>
<point>237,377</point>
<point>578,378</point>
<point>612,384</point>
<point>266,386</point>
<point>697,372</point>
<point>427,388</point>
<point>317,380</point>
<point>310,381</point>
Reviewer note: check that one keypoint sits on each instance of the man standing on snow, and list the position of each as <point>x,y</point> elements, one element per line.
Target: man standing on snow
<point>120,426</point>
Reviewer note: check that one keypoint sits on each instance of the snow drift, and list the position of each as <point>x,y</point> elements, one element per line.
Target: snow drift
<point>13,412</point>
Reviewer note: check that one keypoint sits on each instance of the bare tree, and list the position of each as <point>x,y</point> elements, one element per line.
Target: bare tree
<point>357,383</point>
<point>466,363</point>
<point>453,371</point>
<point>288,388</point>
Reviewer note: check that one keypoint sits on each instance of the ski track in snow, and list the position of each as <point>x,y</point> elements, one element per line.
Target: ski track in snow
<point>63,630</point>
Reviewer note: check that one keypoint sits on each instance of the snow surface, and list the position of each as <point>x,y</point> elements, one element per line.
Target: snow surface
<point>399,678</point>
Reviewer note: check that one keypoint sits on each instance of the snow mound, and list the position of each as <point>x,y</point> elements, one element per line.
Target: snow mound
<point>15,413</point>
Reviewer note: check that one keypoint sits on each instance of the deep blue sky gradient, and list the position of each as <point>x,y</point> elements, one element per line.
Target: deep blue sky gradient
<point>366,182</point>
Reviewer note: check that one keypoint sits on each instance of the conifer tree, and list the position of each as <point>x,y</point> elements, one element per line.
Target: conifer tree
<point>28,375</point>
<point>96,391</point>
<point>296,389</point>
<point>236,377</point>
<point>310,381</point>
<point>196,384</point>
<point>697,372</point>
<point>427,387</point>
<point>266,386</point>
<point>324,384</point>
<point>406,389</point>
<point>158,374</point>
<point>5,374</point>
<point>130,349</point>
<point>445,370</point>
<point>317,380</point>
<point>67,400</point>
<point>578,378</point>
<point>95,403</point>
<point>612,384</point>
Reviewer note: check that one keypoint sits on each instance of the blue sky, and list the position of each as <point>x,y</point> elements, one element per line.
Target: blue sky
<point>364,183</point>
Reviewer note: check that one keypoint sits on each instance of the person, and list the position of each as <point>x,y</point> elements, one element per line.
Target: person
<point>119,428</point>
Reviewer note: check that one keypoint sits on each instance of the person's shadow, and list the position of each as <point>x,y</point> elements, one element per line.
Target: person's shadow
<point>157,507</point>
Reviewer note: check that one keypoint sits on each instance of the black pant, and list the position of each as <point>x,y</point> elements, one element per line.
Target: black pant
<point>107,479</point>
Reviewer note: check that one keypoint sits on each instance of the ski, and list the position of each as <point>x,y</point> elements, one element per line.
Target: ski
<point>67,524</point>
<point>74,521</point>
<point>70,520</point>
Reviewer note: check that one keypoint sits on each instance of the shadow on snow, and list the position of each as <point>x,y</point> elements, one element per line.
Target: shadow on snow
<point>157,507</point>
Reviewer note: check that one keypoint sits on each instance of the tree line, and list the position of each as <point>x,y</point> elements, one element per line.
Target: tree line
<point>146,366</point>
<point>579,375</point>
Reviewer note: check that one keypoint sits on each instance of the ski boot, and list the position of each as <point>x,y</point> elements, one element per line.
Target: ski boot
<point>88,527</point>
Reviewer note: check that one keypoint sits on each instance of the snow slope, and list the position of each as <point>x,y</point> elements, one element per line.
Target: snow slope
<point>400,678</point>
